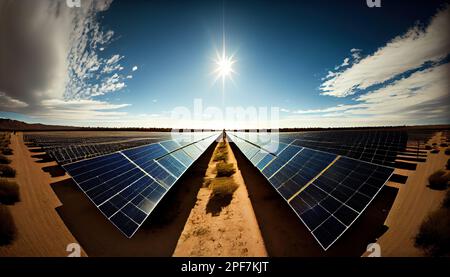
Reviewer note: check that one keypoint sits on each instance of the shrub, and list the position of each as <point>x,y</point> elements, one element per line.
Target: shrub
<point>428,147</point>
<point>446,203</point>
<point>4,160</point>
<point>8,229</point>
<point>444,145</point>
<point>7,151</point>
<point>447,151</point>
<point>435,151</point>
<point>448,164</point>
<point>434,234</point>
<point>223,187</point>
<point>434,144</point>
<point>222,146</point>
<point>439,180</point>
<point>9,192</point>
<point>7,171</point>
<point>221,156</point>
<point>225,169</point>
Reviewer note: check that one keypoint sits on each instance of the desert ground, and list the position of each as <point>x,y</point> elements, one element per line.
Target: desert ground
<point>412,205</point>
<point>222,228</point>
<point>41,232</point>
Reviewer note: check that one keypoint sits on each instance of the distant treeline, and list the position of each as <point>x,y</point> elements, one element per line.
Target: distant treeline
<point>14,125</point>
<point>285,130</point>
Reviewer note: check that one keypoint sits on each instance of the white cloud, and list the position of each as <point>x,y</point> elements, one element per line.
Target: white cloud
<point>6,101</point>
<point>49,54</point>
<point>135,68</point>
<point>409,51</point>
<point>422,97</point>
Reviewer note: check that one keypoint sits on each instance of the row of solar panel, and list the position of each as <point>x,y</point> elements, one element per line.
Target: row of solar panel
<point>383,151</point>
<point>127,185</point>
<point>327,192</point>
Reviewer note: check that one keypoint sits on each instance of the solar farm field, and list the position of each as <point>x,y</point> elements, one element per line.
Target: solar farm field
<point>329,178</point>
<point>324,183</point>
<point>67,147</point>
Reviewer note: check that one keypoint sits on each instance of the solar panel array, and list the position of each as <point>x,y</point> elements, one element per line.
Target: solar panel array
<point>71,149</point>
<point>328,192</point>
<point>127,185</point>
<point>380,147</point>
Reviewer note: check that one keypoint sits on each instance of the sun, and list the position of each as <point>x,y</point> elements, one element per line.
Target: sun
<point>224,66</point>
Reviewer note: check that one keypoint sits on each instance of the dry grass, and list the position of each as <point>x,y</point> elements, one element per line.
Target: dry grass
<point>8,228</point>
<point>221,153</point>
<point>222,187</point>
<point>225,169</point>
<point>434,233</point>
<point>439,180</point>
<point>435,151</point>
<point>7,171</point>
<point>9,192</point>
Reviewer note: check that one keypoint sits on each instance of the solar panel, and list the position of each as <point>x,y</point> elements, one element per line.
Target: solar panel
<point>328,192</point>
<point>127,185</point>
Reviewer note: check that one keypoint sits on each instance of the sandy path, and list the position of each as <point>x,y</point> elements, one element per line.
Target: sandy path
<point>41,232</point>
<point>233,232</point>
<point>412,205</point>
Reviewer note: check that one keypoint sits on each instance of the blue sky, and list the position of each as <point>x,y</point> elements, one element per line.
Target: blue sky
<point>284,51</point>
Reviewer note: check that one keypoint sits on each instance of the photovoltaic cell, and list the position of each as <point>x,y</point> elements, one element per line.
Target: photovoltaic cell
<point>127,185</point>
<point>328,192</point>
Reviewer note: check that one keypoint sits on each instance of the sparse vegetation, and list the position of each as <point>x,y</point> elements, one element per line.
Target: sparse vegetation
<point>4,160</point>
<point>221,153</point>
<point>222,187</point>
<point>439,180</point>
<point>434,233</point>
<point>9,192</point>
<point>435,151</point>
<point>7,171</point>
<point>225,169</point>
<point>446,202</point>
<point>8,228</point>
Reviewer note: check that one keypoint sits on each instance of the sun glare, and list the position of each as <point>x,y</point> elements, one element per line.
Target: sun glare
<point>224,66</point>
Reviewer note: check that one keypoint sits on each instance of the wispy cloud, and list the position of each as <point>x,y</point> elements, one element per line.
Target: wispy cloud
<point>50,59</point>
<point>423,97</point>
<point>406,52</point>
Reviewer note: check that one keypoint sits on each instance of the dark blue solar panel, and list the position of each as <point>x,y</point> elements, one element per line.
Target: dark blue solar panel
<point>126,186</point>
<point>172,165</point>
<point>328,192</point>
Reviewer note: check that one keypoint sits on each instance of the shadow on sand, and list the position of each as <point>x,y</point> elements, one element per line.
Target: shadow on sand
<point>217,202</point>
<point>284,234</point>
<point>159,234</point>
<point>54,170</point>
